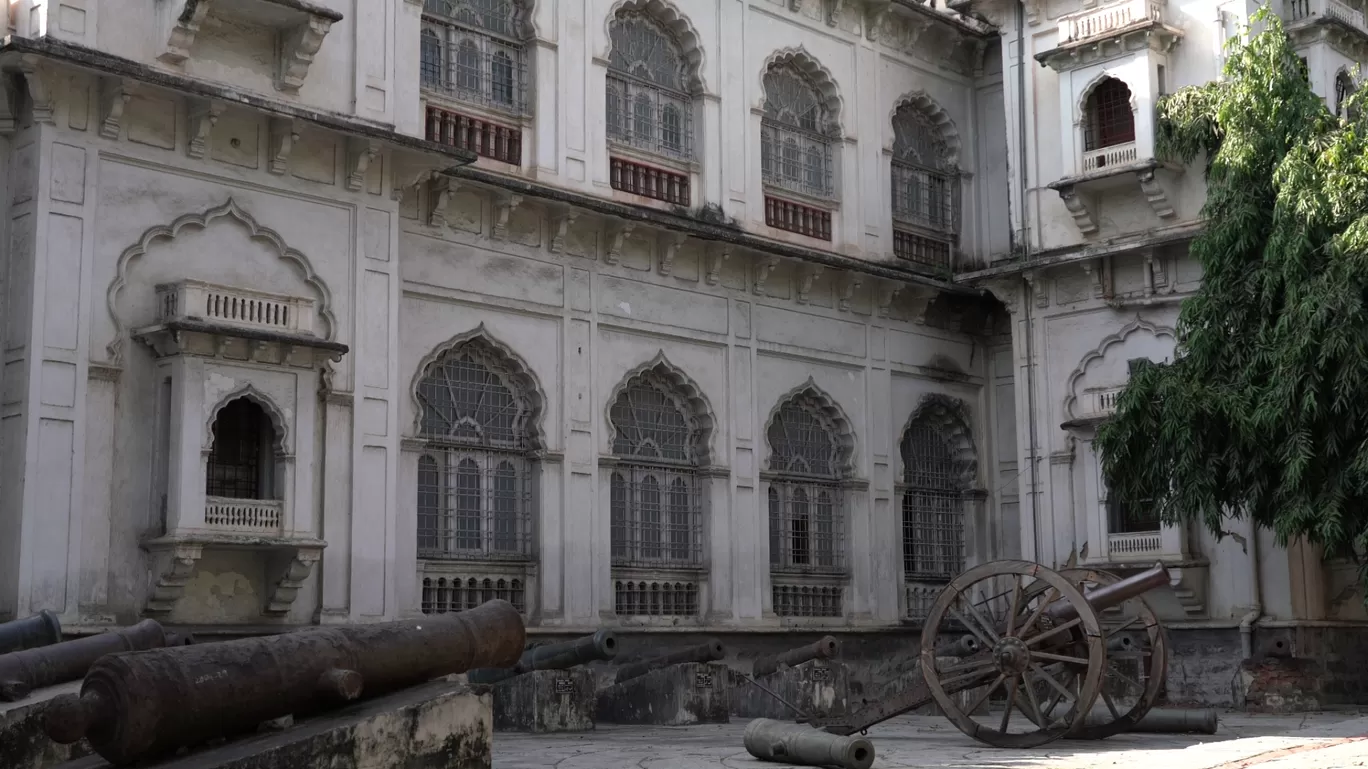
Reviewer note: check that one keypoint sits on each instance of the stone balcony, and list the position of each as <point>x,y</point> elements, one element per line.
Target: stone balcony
<point>1109,20</point>
<point>1301,12</point>
<point>240,307</point>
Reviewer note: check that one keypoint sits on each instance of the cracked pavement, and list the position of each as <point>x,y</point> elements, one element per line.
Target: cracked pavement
<point>1242,741</point>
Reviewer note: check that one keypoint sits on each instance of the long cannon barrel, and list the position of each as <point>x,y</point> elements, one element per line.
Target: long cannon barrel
<point>1114,595</point>
<point>41,629</point>
<point>786,743</point>
<point>600,646</point>
<point>708,651</point>
<point>824,648</point>
<point>1177,721</point>
<point>22,672</point>
<point>146,704</point>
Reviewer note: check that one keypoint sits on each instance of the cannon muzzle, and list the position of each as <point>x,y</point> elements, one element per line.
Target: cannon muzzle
<point>1114,595</point>
<point>708,651</point>
<point>786,743</point>
<point>41,629</point>
<point>602,645</point>
<point>822,649</point>
<point>146,704</point>
<point>22,672</point>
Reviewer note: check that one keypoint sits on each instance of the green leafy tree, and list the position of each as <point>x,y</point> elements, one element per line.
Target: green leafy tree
<point>1264,410</point>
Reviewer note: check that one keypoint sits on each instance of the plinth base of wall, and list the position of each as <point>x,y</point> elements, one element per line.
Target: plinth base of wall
<point>691,693</point>
<point>817,687</point>
<point>545,701</point>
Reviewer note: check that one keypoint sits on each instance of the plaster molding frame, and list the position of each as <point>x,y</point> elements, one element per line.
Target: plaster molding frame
<point>919,100</point>
<point>682,391</point>
<point>512,371</point>
<point>1096,354</point>
<point>813,399</point>
<point>201,221</point>
<point>818,76</point>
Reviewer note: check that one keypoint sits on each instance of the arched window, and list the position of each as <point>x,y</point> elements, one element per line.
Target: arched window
<point>648,106</point>
<point>926,194</point>
<point>1344,88</point>
<point>795,145</point>
<point>242,461</point>
<point>474,476</point>
<point>654,500</point>
<point>806,512</point>
<point>1109,121</point>
<point>473,51</point>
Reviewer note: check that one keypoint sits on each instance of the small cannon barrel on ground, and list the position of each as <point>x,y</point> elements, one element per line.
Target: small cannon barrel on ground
<point>41,629</point>
<point>23,671</point>
<point>1170,721</point>
<point>600,646</point>
<point>146,704</point>
<point>770,740</point>
<point>708,651</point>
<point>822,649</point>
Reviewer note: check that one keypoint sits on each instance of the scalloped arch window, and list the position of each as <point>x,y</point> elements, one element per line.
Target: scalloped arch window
<point>473,51</point>
<point>647,107</point>
<point>925,191</point>
<point>241,463</point>
<point>795,146</point>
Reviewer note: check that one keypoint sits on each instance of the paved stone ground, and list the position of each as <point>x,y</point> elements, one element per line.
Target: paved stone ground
<point>1311,741</point>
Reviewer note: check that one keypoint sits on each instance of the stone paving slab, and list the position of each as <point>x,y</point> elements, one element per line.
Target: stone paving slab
<point>1310,741</point>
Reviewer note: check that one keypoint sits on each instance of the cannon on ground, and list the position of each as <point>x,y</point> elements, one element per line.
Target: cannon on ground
<point>599,647</point>
<point>146,704</point>
<point>1039,644</point>
<point>708,651</point>
<point>823,648</point>
<point>770,740</point>
<point>41,629</point>
<point>23,671</point>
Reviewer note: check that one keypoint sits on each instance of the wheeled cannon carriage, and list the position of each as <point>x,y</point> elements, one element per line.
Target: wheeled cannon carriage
<point>1017,655</point>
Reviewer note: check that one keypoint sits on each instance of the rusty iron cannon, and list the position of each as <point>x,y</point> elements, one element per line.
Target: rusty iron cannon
<point>1039,650</point>
<point>23,671</point>
<point>42,629</point>
<point>146,704</point>
<point>823,648</point>
<point>710,650</point>
<point>796,744</point>
<point>600,646</point>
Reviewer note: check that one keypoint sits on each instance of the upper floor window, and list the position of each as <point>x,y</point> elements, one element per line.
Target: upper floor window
<point>472,51</point>
<point>1109,121</point>
<point>241,462</point>
<point>926,193</point>
<point>1344,88</point>
<point>796,148</point>
<point>648,107</point>
<point>474,476</point>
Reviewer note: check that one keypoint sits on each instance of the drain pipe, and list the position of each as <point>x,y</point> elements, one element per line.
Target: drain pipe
<point>1026,294</point>
<point>1256,611</point>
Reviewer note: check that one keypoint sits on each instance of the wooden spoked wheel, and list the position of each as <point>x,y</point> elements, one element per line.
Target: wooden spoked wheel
<point>1037,634</point>
<point>1137,661</point>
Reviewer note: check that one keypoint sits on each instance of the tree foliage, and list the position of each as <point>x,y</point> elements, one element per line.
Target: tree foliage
<point>1264,409</point>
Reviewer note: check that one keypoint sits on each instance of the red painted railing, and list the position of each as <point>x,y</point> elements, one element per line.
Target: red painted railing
<point>796,217</point>
<point>486,139</point>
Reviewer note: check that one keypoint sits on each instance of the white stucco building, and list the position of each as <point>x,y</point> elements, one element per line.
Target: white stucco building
<point>653,313</point>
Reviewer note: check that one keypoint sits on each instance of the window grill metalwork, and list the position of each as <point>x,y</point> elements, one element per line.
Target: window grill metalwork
<point>475,478</point>
<point>240,463</point>
<point>805,499</point>
<point>647,105</point>
<point>932,506</point>
<point>654,496</point>
<point>808,600</point>
<point>655,598</point>
<point>452,594</point>
<point>472,50</point>
<point>1344,88</point>
<point>1110,120</point>
<point>795,152</point>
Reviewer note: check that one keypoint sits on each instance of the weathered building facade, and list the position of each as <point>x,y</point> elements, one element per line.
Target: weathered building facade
<point>664,315</point>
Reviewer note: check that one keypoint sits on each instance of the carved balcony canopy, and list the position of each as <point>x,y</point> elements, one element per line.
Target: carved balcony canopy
<point>1339,23</point>
<point>198,318</point>
<point>1158,181</point>
<point>1098,33</point>
<point>300,27</point>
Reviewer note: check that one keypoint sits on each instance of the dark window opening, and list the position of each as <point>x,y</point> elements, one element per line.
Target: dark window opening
<point>240,464</point>
<point>1110,120</point>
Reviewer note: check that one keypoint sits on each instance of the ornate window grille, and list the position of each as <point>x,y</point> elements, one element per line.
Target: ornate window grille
<point>242,460</point>
<point>795,148</point>
<point>648,107</point>
<point>655,501</point>
<point>1110,120</point>
<point>806,514</point>
<point>475,476</point>
<point>472,51</point>
<point>933,506</point>
<point>926,191</point>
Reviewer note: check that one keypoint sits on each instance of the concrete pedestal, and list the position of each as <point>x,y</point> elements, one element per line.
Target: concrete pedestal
<point>691,693</point>
<point>439,724</point>
<point>23,745</point>
<point>545,701</point>
<point>817,687</point>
